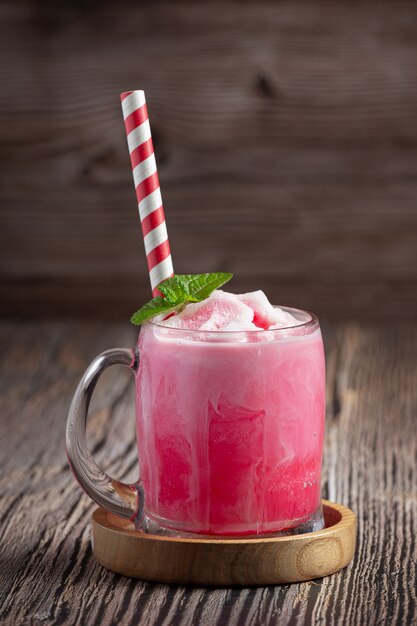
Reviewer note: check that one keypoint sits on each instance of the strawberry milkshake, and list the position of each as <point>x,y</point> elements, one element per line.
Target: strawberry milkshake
<point>230,397</point>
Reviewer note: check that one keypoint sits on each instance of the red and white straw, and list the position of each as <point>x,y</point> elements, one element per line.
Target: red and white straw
<point>148,192</point>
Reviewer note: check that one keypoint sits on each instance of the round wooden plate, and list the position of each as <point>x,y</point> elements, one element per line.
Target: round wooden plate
<point>226,562</point>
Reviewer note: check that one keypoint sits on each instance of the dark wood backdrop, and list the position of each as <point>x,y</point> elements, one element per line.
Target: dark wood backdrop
<point>286,139</point>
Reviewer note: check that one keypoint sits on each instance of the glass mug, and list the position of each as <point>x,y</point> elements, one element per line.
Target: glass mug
<point>230,429</point>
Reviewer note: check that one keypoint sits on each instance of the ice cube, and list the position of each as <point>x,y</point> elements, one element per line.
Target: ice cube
<point>265,315</point>
<point>238,325</point>
<point>283,319</point>
<point>215,313</point>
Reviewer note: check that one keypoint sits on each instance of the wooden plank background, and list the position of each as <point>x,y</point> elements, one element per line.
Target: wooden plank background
<point>286,138</point>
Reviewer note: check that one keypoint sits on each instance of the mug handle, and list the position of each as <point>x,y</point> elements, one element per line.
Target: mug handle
<point>116,497</point>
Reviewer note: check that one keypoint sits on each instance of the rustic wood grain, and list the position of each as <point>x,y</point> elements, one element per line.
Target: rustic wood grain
<point>286,138</point>
<point>47,571</point>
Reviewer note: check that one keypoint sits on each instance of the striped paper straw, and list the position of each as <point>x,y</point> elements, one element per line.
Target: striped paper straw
<point>148,192</point>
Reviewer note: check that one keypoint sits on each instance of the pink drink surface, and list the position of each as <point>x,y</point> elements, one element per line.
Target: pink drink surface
<point>230,429</point>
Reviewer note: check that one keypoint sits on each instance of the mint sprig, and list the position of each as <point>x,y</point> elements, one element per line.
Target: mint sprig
<point>178,291</point>
<point>154,307</point>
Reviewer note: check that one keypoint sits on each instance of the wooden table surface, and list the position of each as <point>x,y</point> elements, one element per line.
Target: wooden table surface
<point>47,572</point>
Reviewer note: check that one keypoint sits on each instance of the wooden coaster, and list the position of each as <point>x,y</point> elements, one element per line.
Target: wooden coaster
<point>226,562</point>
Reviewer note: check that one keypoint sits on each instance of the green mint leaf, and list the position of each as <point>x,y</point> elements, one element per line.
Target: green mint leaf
<point>179,290</point>
<point>192,287</point>
<point>152,308</point>
<point>200,286</point>
<point>172,290</point>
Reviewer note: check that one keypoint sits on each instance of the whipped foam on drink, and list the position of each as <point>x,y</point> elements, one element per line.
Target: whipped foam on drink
<point>230,312</point>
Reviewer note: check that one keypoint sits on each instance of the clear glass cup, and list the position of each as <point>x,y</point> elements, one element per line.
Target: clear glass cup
<point>230,428</point>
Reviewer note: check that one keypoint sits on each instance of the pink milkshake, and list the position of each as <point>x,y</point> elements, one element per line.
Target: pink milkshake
<point>230,417</point>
